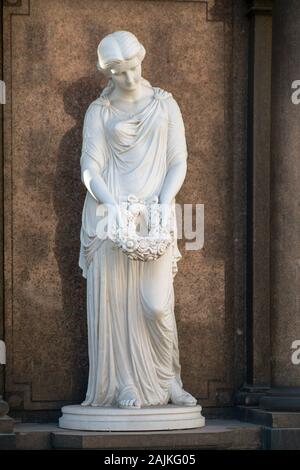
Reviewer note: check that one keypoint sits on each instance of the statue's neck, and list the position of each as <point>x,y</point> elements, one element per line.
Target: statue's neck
<point>129,96</point>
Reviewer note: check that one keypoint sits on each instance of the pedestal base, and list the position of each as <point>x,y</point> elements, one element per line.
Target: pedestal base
<point>154,418</point>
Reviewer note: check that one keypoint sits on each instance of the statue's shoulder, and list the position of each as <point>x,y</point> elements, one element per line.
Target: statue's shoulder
<point>100,101</point>
<point>172,105</point>
<point>162,94</point>
<point>167,96</point>
<point>93,115</point>
<point>93,112</point>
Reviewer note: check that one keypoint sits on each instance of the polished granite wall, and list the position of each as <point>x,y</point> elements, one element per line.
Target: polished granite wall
<point>196,50</point>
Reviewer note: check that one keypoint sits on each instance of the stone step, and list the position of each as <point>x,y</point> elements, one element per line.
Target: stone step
<point>272,419</point>
<point>280,429</point>
<point>217,434</point>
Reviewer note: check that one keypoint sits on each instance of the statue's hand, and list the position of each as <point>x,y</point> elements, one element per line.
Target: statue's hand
<point>115,219</point>
<point>165,210</point>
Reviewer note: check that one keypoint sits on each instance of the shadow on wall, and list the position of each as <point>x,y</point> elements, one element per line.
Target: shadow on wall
<point>68,199</point>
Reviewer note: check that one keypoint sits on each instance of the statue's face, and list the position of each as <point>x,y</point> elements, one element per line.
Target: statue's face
<point>129,78</point>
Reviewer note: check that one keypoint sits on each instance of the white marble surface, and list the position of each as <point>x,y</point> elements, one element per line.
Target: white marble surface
<point>166,417</point>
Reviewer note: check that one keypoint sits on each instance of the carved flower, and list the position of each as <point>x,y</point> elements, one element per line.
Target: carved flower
<point>130,245</point>
<point>143,246</point>
<point>161,248</point>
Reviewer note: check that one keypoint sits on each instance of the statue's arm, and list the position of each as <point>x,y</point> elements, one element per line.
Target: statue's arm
<point>94,182</point>
<point>173,182</point>
<point>176,155</point>
<point>92,159</point>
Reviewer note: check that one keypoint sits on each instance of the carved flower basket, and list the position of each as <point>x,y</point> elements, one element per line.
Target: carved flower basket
<point>137,246</point>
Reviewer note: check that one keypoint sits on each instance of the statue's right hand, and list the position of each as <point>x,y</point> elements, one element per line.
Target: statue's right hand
<point>115,216</point>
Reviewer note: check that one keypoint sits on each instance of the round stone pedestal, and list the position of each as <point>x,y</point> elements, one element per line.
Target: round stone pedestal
<point>154,418</point>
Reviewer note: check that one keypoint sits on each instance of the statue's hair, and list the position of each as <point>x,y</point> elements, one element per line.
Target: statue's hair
<point>116,48</point>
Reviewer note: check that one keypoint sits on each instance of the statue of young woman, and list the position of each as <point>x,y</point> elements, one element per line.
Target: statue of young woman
<point>133,143</point>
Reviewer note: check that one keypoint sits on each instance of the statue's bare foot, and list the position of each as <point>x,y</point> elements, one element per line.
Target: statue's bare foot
<point>128,398</point>
<point>85,403</point>
<point>179,396</point>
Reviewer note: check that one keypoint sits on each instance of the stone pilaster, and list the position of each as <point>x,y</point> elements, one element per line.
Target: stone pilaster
<point>258,203</point>
<point>285,209</point>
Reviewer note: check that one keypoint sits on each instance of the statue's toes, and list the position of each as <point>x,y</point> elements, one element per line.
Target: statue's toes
<point>183,398</point>
<point>132,403</point>
<point>188,399</point>
<point>192,401</point>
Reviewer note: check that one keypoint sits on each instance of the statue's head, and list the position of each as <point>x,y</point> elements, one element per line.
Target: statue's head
<point>120,55</point>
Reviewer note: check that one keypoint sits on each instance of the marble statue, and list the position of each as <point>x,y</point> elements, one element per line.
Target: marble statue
<point>133,164</point>
<point>134,150</point>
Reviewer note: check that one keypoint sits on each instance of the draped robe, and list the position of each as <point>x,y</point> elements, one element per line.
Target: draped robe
<point>132,333</point>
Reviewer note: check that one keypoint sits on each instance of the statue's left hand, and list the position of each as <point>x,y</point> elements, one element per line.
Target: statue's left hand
<point>165,210</point>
